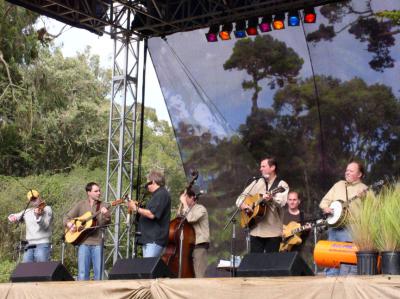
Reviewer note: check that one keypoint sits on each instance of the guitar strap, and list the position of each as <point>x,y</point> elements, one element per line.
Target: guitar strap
<point>273,185</point>
<point>97,209</point>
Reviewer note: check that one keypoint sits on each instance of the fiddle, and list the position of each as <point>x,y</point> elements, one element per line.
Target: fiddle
<point>39,206</point>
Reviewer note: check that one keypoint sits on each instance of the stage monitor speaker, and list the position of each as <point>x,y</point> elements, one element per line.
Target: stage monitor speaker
<point>139,268</point>
<point>273,264</point>
<point>41,271</point>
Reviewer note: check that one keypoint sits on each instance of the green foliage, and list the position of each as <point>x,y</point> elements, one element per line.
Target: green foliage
<point>6,267</point>
<point>393,15</point>
<point>388,214</point>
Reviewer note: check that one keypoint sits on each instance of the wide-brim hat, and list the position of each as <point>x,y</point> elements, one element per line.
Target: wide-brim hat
<point>32,194</point>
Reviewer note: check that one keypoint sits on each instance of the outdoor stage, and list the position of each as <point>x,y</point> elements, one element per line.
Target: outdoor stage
<point>257,287</point>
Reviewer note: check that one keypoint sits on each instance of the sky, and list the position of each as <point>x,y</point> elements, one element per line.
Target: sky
<point>74,40</point>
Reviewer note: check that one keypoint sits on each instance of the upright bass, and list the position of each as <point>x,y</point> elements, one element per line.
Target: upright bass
<point>181,242</point>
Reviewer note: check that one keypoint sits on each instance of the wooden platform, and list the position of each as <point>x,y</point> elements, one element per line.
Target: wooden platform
<point>350,287</point>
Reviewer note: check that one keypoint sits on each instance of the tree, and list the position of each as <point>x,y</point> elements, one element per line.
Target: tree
<point>18,45</point>
<point>264,58</point>
<point>378,33</point>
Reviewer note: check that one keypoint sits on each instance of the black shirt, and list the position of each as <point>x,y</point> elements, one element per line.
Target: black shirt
<point>157,229</point>
<point>287,217</point>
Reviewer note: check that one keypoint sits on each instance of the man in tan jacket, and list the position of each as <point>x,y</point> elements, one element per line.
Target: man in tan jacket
<point>266,236</point>
<point>343,190</point>
<point>196,214</point>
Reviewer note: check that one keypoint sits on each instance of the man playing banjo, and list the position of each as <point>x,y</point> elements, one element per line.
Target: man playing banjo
<point>343,191</point>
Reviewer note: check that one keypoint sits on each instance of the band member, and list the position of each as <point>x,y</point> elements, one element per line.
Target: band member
<point>267,234</point>
<point>293,214</point>
<point>89,250</point>
<point>38,219</point>
<point>196,214</point>
<point>155,217</point>
<point>343,190</point>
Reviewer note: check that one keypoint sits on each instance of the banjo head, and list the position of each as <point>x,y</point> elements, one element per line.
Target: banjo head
<point>335,217</point>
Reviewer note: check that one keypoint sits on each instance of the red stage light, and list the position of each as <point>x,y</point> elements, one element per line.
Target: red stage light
<point>309,15</point>
<point>252,26</point>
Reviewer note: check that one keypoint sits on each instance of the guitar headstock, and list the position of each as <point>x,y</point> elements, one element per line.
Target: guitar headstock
<point>279,189</point>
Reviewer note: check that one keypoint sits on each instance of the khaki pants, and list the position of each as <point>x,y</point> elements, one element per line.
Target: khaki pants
<point>200,262</point>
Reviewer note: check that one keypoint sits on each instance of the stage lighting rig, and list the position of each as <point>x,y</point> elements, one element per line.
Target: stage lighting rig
<point>293,18</point>
<point>279,21</point>
<point>252,25</point>
<point>310,15</point>
<point>240,29</point>
<point>226,30</point>
<point>212,35</point>
<point>265,25</point>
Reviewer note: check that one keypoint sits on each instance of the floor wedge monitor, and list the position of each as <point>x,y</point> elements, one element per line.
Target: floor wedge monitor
<point>138,268</point>
<point>273,264</point>
<point>41,271</point>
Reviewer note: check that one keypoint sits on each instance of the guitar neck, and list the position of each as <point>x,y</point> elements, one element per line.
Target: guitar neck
<point>300,229</point>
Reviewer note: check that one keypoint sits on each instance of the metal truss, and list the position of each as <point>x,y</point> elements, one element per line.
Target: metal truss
<point>158,17</point>
<point>124,113</point>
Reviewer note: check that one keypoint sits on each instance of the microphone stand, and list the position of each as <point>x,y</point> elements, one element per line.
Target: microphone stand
<point>62,247</point>
<point>232,220</point>
<point>135,232</point>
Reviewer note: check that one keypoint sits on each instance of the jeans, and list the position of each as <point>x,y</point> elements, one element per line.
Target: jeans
<point>37,253</point>
<point>340,235</point>
<point>89,255</point>
<point>152,250</point>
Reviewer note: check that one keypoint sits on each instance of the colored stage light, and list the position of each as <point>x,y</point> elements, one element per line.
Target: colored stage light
<point>225,33</point>
<point>252,26</point>
<point>293,18</point>
<point>212,35</point>
<point>309,15</point>
<point>240,29</point>
<point>265,25</point>
<point>279,21</point>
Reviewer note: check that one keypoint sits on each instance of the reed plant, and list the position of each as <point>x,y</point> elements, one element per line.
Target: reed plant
<point>389,210</point>
<point>364,222</point>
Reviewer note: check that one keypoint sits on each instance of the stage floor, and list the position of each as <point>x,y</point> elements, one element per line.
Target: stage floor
<point>258,287</point>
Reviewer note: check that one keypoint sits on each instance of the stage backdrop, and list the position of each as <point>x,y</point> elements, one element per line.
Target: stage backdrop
<point>313,96</point>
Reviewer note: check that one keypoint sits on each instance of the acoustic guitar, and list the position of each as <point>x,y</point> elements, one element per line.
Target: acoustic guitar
<point>84,224</point>
<point>259,206</point>
<point>292,231</point>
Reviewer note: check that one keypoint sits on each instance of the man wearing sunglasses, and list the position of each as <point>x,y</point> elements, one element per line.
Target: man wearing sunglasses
<point>154,218</point>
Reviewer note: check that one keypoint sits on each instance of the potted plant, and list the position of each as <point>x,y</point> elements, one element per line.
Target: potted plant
<point>388,240</point>
<point>363,228</point>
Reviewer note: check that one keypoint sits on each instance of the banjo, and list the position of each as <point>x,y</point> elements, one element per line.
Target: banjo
<point>340,208</point>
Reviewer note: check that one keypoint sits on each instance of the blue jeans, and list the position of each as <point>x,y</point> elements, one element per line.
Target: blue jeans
<point>340,235</point>
<point>89,255</point>
<point>37,253</point>
<point>152,250</point>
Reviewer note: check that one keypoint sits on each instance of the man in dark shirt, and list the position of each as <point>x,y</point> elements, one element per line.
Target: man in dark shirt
<point>293,215</point>
<point>155,217</point>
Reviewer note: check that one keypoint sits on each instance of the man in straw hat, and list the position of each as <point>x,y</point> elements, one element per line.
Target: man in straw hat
<point>38,218</point>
